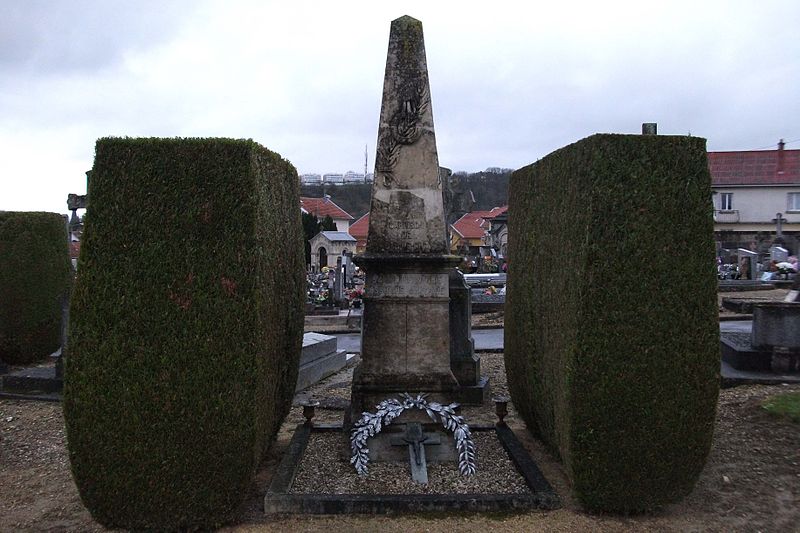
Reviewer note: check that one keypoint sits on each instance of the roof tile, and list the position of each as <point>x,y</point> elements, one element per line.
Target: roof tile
<point>322,207</point>
<point>761,167</point>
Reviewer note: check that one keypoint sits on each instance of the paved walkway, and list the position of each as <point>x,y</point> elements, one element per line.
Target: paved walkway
<point>486,340</point>
<point>492,340</point>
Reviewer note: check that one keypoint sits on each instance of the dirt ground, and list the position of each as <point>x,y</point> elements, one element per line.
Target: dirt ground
<point>750,483</point>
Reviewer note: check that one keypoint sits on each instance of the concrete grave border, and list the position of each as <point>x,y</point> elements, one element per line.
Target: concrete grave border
<point>279,501</point>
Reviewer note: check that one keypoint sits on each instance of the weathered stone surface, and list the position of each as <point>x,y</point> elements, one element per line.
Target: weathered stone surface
<point>776,324</point>
<point>466,366</point>
<point>405,343</point>
<point>406,212</point>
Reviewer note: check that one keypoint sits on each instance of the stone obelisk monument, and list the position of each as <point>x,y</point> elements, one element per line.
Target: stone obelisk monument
<point>405,344</point>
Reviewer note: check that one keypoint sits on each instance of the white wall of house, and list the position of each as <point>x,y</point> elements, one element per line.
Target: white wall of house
<point>756,205</point>
<point>342,225</point>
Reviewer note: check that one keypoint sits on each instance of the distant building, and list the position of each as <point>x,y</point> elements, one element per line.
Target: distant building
<point>359,230</point>
<point>322,207</point>
<point>333,179</point>
<point>353,177</point>
<point>756,197</point>
<point>310,179</point>
<point>470,235</point>
<point>326,246</point>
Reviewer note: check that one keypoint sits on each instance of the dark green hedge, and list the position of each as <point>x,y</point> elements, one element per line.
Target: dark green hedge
<point>612,341</point>
<point>34,279</point>
<point>186,328</point>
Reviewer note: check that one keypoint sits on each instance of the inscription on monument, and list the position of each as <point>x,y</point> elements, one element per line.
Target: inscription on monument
<point>408,285</point>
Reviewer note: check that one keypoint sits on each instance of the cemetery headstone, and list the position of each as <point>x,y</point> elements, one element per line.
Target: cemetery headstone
<point>465,364</point>
<point>405,333</point>
<point>778,254</point>
<point>748,264</point>
<point>338,283</point>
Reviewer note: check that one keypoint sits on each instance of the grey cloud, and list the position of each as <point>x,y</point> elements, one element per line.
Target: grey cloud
<point>55,37</point>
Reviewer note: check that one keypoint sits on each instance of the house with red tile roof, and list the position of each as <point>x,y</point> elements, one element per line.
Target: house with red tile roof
<point>756,196</point>
<point>471,232</point>
<point>322,207</point>
<point>359,230</point>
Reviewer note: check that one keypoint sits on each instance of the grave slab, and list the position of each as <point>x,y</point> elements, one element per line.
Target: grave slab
<point>318,359</point>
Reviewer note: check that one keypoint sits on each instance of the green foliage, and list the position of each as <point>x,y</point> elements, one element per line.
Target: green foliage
<point>311,227</point>
<point>785,405</point>
<point>34,280</point>
<point>327,224</point>
<point>612,339</point>
<point>186,328</point>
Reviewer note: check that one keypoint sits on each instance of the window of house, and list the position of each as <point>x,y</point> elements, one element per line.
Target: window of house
<point>794,201</point>
<point>726,201</point>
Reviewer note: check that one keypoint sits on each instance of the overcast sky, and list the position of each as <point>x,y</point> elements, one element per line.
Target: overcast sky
<point>510,81</point>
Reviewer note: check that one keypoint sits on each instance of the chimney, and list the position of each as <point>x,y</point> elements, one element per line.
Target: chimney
<point>649,128</point>
<point>781,152</point>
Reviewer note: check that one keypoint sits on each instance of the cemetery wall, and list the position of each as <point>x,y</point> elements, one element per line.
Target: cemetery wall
<point>186,328</point>
<point>35,277</point>
<point>612,339</point>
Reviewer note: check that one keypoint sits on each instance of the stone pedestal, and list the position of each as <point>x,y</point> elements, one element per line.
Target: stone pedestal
<point>405,338</point>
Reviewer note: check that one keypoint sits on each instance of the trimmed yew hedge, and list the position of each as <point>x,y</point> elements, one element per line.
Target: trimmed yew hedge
<point>34,280</point>
<point>186,328</point>
<point>612,341</point>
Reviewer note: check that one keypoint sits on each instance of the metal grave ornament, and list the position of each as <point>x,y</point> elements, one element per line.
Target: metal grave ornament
<point>370,424</point>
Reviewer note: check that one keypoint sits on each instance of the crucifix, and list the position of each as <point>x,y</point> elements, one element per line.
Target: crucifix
<point>416,440</point>
<point>779,220</point>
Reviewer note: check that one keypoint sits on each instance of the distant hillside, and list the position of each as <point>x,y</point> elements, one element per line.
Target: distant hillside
<point>352,197</point>
<point>489,187</point>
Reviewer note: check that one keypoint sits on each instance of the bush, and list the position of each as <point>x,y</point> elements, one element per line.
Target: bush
<point>186,328</point>
<point>612,341</point>
<point>34,280</point>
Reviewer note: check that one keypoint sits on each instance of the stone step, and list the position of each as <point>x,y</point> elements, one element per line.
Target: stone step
<point>320,368</point>
<point>316,345</point>
<point>31,380</point>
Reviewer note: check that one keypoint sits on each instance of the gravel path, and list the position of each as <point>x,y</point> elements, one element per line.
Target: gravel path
<point>751,481</point>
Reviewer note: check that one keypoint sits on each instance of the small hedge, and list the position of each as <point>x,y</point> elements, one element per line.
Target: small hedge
<point>186,328</point>
<point>34,280</point>
<point>612,341</point>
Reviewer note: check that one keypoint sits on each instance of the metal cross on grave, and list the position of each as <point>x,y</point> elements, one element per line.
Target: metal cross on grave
<point>416,441</point>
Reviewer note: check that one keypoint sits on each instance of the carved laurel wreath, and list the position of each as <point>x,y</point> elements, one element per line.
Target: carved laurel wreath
<point>371,424</point>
